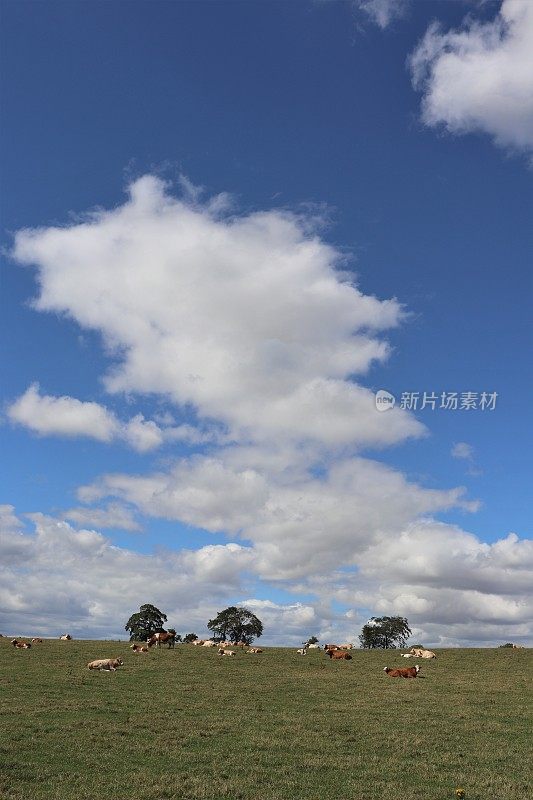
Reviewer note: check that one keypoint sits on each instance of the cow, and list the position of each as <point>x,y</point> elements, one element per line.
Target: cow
<point>139,648</point>
<point>209,643</point>
<point>407,655</point>
<point>420,652</point>
<point>163,637</point>
<point>302,651</point>
<point>20,645</point>
<point>402,672</point>
<point>254,651</point>
<point>313,647</point>
<point>36,641</point>
<point>337,655</point>
<point>331,647</point>
<point>346,646</point>
<point>108,664</point>
<point>198,642</point>
<point>65,638</point>
<point>223,652</point>
<point>518,647</point>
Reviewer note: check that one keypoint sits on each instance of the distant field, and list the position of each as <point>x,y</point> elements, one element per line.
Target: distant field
<point>188,724</point>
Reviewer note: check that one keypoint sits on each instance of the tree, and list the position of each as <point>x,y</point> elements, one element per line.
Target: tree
<point>507,644</point>
<point>145,623</point>
<point>236,625</point>
<point>190,637</point>
<point>385,632</point>
<point>312,640</point>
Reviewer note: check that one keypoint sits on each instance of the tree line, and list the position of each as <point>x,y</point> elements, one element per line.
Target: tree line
<point>238,624</point>
<point>233,624</point>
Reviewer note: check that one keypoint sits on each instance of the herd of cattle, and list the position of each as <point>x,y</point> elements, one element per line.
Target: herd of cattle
<point>335,652</point>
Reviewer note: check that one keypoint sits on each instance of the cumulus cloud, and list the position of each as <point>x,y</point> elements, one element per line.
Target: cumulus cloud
<point>480,78</point>
<point>463,450</point>
<point>248,319</point>
<point>446,581</point>
<point>299,523</point>
<point>251,323</point>
<point>454,589</point>
<point>77,580</point>
<point>383,12</point>
<point>113,516</point>
<point>66,416</point>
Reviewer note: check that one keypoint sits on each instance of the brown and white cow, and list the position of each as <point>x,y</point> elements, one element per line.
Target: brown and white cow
<point>164,637</point>
<point>36,641</point>
<point>65,638</point>
<point>223,652</point>
<point>337,655</point>
<point>20,645</point>
<point>402,672</point>
<point>348,646</point>
<point>254,651</point>
<point>108,664</point>
<point>331,647</point>
<point>139,648</point>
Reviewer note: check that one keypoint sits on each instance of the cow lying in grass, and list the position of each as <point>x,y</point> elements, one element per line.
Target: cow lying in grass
<point>139,648</point>
<point>223,652</point>
<point>109,664</point>
<point>254,651</point>
<point>420,652</point>
<point>338,655</point>
<point>402,672</point>
<point>20,645</point>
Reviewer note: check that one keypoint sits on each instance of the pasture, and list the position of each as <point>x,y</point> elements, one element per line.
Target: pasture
<point>188,724</point>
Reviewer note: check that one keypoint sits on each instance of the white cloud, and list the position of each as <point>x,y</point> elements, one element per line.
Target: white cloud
<point>67,416</point>
<point>80,582</point>
<point>299,523</point>
<point>8,519</point>
<point>383,12</point>
<point>64,416</point>
<point>480,78</point>
<point>248,319</point>
<point>113,516</point>
<point>142,434</point>
<point>454,589</point>
<point>463,450</point>
<point>249,324</point>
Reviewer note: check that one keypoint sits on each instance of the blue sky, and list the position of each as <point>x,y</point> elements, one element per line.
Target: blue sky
<point>298,111</point>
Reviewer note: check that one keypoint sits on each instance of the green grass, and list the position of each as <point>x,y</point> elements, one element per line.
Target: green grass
<point>188,724</point>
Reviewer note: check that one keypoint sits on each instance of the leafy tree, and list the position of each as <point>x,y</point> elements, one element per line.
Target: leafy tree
<point>385,633</point>
<point>236,625</point>
<point>312,640</point>
<point>190,637</point>
<point>507,644</point>
<point>147,621</point>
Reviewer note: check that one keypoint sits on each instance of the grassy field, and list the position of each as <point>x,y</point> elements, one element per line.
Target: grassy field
<point>188,724</point>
